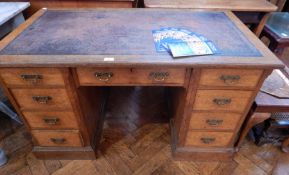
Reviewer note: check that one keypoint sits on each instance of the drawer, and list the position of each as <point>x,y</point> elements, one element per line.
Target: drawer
<point>214,120</point>
<point>225,100</point>
<point>58,138</point>
<point>208,139</point>
<point>230,77</point>
<point>41,98</point>
<point>120,76</point>
<point>51,120</point>
<point>32,77</point>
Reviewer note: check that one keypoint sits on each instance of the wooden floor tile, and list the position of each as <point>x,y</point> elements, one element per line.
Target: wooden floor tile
<point>103,167</point>
<point>52,165</point>
<point>78,167</point>
<point>155,162</point>
<point>115,161</point>
<point>247,166</point>
<point>23,171</point>
<point>36,165</point>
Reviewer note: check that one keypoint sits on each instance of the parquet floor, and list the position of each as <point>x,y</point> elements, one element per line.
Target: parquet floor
<point>136,140</point>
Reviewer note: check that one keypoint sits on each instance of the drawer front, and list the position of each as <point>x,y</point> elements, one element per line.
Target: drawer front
<point>106,76</point>
<point>230,77</point>
<point>101,76</point>
<point>208,139</point>
<point>214,120</point>
<point>225,100</point>
<point>57,138</point>
<point>41,98</point>
<point>51,120</point>
<point>174,76</point>
<point>32,77</point>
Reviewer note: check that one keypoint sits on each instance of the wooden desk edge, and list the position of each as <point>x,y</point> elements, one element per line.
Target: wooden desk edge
<point>269,7</point>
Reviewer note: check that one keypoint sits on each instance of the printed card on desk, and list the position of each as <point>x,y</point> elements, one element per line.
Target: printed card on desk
<point>183,49</point>
<point>182,42</point>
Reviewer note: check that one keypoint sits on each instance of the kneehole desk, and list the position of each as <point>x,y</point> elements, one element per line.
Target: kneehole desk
<point>56,66</point>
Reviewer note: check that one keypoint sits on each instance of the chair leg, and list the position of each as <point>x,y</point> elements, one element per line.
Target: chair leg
<point>255,119</point>
<point>261,25</point>
<point>5,109</point>
<point>285,145</point>
<point>3,158</point>
<point>275,48</point>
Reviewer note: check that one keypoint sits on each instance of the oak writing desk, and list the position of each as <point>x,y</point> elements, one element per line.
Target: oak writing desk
<point>262,7</point>
<point>56,66</point>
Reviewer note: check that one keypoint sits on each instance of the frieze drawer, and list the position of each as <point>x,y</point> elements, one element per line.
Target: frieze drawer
<point>122,76</point>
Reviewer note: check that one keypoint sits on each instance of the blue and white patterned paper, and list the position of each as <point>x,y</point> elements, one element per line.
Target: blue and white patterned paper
<point>182,42</point>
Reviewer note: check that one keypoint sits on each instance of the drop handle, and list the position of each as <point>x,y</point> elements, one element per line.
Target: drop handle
<point>42,99</point>
<point>222,101</point>
<point>103,76</point>
<point>230,79</point>
<point>214,122</point>
<point>208,140</point>
<point>159,76</point>
<point>58,140</point>
<point>51,121</point>
<point>31,78</point>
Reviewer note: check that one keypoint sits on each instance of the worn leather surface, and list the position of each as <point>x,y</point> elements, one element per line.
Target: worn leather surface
<point>123,32</point>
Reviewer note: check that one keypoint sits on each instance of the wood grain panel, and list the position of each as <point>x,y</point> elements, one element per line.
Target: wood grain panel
<point>235,100</point>
<point>147,76</point>
<point>125,76</point>
<point>51,120</point>
<point>230,77</point>
<point>214,120</point>
<point>45,77</point>
<point>220,5</point>
<point>58,99</point>
<point>58,138</point>
<point>208,139</point>
<point>70,4</point>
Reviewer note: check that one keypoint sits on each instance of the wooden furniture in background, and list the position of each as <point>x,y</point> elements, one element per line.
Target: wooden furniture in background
<point>249,11</point>
<point>66,71</point>
<point>285,145</point>
<point>264,105</point>
<point>277,31</point>
<point>73,4</point>
<point>279,3</point>
<point>11,16</point>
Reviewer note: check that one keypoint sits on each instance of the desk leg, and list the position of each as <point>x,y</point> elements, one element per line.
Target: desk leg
<point>255,119</point>
<point>285,145</point>
<point>276,48</point>
<point>261,25</point>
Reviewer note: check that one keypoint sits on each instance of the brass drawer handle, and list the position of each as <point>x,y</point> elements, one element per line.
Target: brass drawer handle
<point>208,140</point>
<point>32,78</point>
<point>51,121</point>
<point>58,140</point>
<point>42,99</point>
<point>214,122</point>
<point>229,79</point>
<point>158,76</point>
<point>222,101</point>
<point>103,76</point>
